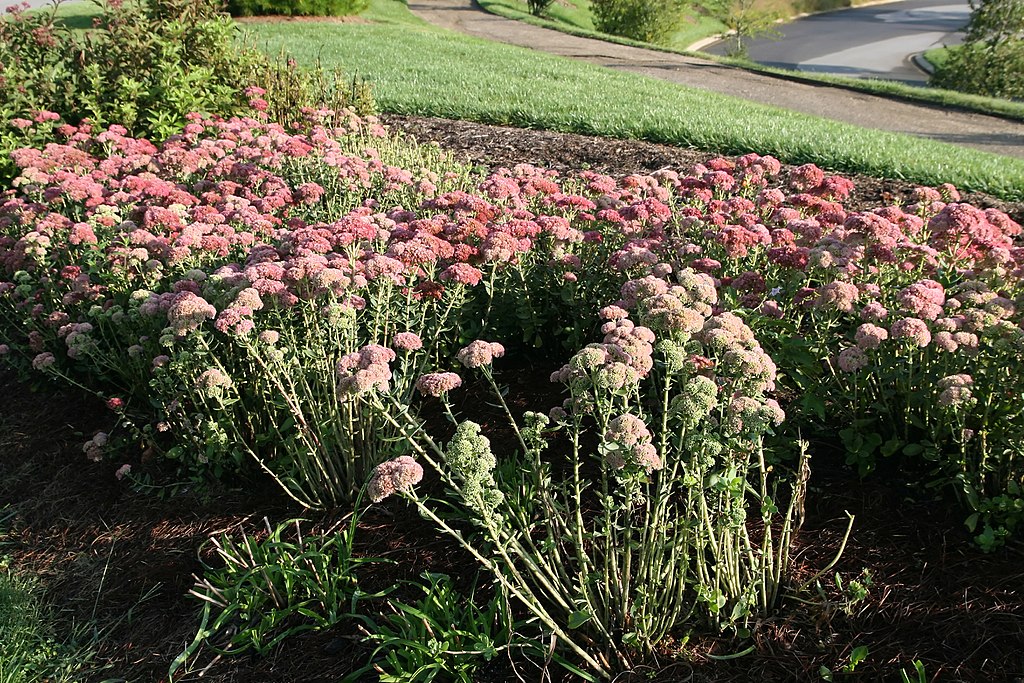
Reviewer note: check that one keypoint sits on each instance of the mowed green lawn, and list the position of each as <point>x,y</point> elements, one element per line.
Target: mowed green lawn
<point>415,68</point>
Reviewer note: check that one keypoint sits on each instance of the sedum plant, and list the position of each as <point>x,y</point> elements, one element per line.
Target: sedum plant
<point>642,505</point>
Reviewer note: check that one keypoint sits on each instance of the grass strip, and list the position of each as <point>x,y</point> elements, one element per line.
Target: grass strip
<point>578,26</point>
<point>422,70</point>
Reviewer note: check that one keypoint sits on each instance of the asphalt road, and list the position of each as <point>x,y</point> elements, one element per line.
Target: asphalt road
<point>875,42</point>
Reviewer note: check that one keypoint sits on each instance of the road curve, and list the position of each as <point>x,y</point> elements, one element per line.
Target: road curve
<point>988,133</point>
<point>875,41</point>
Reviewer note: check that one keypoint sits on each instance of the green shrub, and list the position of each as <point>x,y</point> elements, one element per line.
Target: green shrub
<point>651,21</point>
<point>538,7</point>
<point>296,8</point>
<point>995,71</point>
<point>991,60</point>
<point>145,66</point>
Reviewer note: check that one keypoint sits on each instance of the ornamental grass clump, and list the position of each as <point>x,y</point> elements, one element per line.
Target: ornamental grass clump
<point>643,504</point>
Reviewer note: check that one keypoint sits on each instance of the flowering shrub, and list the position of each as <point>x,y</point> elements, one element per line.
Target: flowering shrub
<point>250,292</point>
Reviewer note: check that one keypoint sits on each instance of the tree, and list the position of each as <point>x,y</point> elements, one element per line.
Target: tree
<point>743,20</point>
<point>991,60</point>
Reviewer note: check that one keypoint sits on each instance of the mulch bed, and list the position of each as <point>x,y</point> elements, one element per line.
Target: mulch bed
<point>129,558</point>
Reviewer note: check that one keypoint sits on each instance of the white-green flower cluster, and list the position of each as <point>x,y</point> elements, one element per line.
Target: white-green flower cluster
<point>695,402</point>
<point>471,461</point>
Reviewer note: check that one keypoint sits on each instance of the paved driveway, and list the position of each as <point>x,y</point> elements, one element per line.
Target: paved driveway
<point>866,42</point>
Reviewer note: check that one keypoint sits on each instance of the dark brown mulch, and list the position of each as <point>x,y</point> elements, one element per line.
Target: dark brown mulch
<point>129,558</point>
<point>496,146</point>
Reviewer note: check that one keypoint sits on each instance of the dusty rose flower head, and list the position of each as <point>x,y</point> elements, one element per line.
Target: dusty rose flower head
<point>955,391</point>
<point>480,353</point>
<point>628,430</point>
<point>913,329</point>
<point>923,299</point>
<point>43,360</point>
<point>123,471</point>
<point>365,370</point>
<point>438,383</point>
<point>188,312</point>
<point>393,476</point>
<point>93,448</point>
<point>212,381</point>
<point>771,309</point>
<point>837,295</point>
<point>249,298</point>
<point>463,273</point>
<point>613,313</point>
<point>270,337</point>
<point>944,341</point>
<point>407,341</point>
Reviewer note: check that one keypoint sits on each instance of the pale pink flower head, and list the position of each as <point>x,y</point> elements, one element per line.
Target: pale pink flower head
<point>647,457</point>
<point>480,353</point>
<point>870,336</point>
<point>955,391</point>
<point>269,337</point>
<point>123,471</point>
<point>43,360</point>
<point>852,359</point>
<point>628,430</point>
<point>407,341</point>
<point>613,313</point>
<point>188,312</point>
<point>914,330</point>
<point>365,370</point>
<point>966,340</point>
<point>944,341</point>
<point>837,295</point>
<point>212,381</point>
<point>249,298</point>
<point>438,383</point>
<point>874,312</point>
<point>393,476</point>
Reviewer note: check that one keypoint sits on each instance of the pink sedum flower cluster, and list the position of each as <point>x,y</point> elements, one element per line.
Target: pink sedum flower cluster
<point>480,353</point>
<point>392,477</point>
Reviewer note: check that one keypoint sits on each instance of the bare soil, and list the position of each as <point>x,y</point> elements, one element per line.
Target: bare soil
<point>128,558</point>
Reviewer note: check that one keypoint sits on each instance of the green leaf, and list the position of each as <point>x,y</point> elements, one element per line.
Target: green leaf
<point>912,449</point>
<point>891,446</point>
<point>578,618</point>
<point>812,403</point>
<point>859,654</point>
